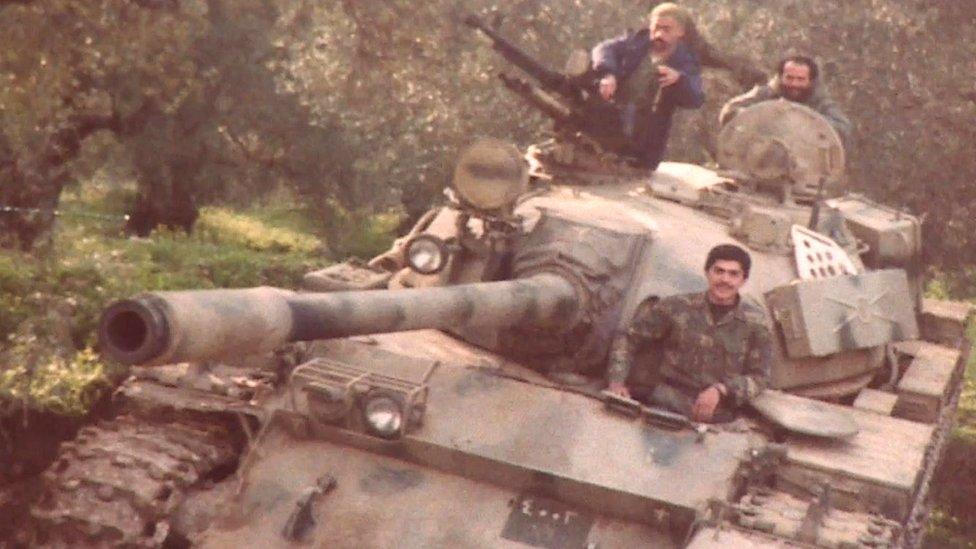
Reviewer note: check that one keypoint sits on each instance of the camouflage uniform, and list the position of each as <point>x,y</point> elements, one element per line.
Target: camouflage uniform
<point>697,352</point>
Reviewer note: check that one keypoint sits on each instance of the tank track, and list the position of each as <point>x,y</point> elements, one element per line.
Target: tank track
<point>915,526</point>
<point>118,482</point>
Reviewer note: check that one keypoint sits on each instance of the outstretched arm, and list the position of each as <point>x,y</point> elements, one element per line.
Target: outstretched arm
<point>735,105</point>
<point>606,56</point>
<point>606,64</point>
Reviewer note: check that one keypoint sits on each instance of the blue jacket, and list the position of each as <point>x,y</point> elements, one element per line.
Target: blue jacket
<point>621,56</point>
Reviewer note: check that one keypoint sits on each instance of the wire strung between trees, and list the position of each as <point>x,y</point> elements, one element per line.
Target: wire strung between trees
<point>60,213</point>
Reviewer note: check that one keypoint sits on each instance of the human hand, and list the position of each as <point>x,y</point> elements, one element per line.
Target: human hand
<point>619,389</point>
<point>705,404</point>
<point>666,76</point>
<point>608,87</point>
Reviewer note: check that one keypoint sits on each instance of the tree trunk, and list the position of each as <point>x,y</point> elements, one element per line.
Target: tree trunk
<point>165,175</point>
<point>30,186</point>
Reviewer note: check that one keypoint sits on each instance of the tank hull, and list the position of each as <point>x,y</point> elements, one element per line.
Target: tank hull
<point>499,449</point>
<point>527,442</point>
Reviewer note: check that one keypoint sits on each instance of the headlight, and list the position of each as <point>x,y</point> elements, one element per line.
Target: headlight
<point>427,254</point>
<point>328,404</point>
<point>383,415</point>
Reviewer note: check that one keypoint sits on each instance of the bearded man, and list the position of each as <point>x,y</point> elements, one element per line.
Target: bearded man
<point>649,74</point>
<point>797,79</point>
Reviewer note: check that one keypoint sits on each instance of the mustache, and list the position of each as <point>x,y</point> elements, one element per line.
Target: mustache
<point>658,42</point>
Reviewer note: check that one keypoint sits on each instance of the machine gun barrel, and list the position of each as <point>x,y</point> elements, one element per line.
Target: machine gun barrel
<point>549,79</point>
<point>568,101</point>
<point>183,326</point>
<point>539,99</point>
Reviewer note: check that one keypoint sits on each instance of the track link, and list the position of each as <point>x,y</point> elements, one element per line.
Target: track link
<point>915,528</point>
<point>118,482</point>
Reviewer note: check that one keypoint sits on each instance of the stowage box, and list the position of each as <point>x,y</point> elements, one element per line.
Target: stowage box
<point>821,317</point>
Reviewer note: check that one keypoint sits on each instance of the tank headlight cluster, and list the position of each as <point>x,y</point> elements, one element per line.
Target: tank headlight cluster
<point>427,254</point>
<point>338,394</point>
<point>383,415</point>
<point>330,404</point>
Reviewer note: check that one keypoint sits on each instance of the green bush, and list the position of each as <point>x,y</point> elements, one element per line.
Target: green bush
<point>361,234</point>
<point>68,387</point>
<point>228,227</point>
<point>49,306</point>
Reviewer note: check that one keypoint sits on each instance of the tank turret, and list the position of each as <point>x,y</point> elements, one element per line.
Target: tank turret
<point>548,287</point>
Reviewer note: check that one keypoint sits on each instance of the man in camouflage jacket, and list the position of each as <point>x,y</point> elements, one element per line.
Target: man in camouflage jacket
<point>714,348</point>
<point>798,80</point>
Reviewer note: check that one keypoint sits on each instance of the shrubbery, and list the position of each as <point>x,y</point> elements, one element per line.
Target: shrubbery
<point>49,305</point>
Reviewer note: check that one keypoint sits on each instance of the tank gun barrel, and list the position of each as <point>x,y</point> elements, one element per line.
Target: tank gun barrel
<point>196,325</point>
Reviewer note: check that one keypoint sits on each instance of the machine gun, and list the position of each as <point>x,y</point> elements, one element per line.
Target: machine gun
<point>570,101</point>
<point>550,80</point>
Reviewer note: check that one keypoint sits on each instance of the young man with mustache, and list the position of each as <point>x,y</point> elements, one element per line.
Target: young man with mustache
<point>714,349</point>
<point>797,79</point>
<point>649,74</point>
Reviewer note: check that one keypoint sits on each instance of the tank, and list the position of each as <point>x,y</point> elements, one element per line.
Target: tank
<point>449,393</point>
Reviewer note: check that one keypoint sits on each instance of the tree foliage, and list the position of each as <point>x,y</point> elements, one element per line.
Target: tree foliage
<point>419,85</point>
<point>366,103</point>
<point>191,91</point>
<point>904,73</point>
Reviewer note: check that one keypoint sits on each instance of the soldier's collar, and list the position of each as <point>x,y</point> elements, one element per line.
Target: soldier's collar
<point>739,311</point>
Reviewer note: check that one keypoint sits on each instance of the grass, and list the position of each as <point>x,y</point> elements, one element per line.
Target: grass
<point>49,304</point>
<point>253,233</point>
